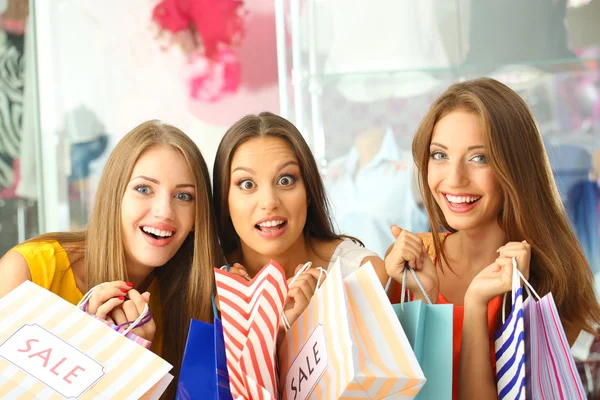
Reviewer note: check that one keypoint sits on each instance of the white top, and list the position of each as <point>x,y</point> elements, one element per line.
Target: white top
<point>351,256</point>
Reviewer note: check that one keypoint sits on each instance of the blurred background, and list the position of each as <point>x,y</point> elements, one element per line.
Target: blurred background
<point>356,77</point>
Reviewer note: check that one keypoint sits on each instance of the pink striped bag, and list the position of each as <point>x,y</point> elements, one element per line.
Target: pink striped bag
<point>550,367</point>
<point>251,312</point>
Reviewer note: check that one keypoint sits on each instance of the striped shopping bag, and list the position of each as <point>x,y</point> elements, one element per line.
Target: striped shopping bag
<point>50,349</point>
<point>348,343</point>
<point>251,312</point>
<point>551,369</point>
<point>510,346</point>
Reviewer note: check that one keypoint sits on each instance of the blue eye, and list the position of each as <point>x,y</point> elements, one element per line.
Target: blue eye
<point>479,159</point>
<point>183,196</point>
<point>143,189</point>
<point>246,184</point>
<point>437,156</point>
<point>286,180</point>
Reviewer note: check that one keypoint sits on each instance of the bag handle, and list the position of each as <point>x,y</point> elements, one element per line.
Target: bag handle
<point>404,290</point>
<point>305,267</point>
<point>528,288</point>
<point>141,320</point>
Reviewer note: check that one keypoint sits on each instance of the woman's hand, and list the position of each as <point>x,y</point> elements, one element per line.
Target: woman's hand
<point>409,249</point>
<point>496,278</point>
<point>130,310</point>
<point>106,297</point>
<point>301,292</point>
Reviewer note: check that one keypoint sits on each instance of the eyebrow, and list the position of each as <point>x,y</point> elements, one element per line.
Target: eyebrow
<point>251,171</point>
<point>480,146</point>
<point>147,178</point>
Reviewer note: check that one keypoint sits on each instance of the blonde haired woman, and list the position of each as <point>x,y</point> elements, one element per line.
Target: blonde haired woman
<point>152,236</point>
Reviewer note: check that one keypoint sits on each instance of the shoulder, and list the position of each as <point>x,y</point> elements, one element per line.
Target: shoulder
<point>14,270</point>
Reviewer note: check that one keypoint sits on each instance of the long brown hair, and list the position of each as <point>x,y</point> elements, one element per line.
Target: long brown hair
<point>532,209</point>
<point>185,281</point>
<point>318,222</point>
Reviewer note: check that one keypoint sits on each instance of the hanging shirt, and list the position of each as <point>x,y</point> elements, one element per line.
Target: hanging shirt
<point>381,194</point>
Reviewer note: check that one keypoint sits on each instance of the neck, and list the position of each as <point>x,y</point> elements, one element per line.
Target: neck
<point>475,249</point>
<point>140,276</point>
<point>289,259</point>
<point>368,144</point>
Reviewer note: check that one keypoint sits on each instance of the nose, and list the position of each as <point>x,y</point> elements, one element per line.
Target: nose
<point>457,175</point>
<point>162,207</point>
<point>269,199</point>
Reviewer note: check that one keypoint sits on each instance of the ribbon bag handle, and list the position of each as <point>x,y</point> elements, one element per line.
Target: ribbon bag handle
<point>516,280</point>
<point>305,267</point>
<point>142,319</point>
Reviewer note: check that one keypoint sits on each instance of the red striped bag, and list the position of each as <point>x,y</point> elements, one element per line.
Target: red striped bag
<point>251,312</point>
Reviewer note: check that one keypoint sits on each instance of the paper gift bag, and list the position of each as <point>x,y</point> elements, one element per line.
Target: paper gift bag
<point>348,343</point>
<point>510,346</point>
<point>203,372</point>
<point>50,349</point>
<point>251,312</point>
<point>428,328</point>
<point>551,369</point>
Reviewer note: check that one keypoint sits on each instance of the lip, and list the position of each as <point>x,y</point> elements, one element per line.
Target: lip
<point>461,209</point>
<point>160,227</point>
<point>272,218</point>
<point>461,194</point>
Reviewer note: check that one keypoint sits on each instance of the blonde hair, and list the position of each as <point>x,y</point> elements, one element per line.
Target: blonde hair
<point>532,209</point>
<point>186,281</point>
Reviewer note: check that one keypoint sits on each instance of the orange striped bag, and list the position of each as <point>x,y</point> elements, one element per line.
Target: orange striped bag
<point>348,344</point>
<point>50,349</point>
<point>250,313</point>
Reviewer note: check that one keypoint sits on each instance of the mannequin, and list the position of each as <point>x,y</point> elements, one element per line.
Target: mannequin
<point>372,187</point>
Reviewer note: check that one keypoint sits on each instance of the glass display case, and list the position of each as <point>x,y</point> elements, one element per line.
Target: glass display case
<point>357,77</point>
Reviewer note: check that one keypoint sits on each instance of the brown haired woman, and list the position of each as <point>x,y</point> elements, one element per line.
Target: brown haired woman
<point>271,205</point>
<point>152,231</point>
<point>486,180</point>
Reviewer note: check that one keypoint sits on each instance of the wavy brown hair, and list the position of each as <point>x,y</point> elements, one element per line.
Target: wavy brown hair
<point>532,209</point>
<point>186,280</point>
<point>318,222</point>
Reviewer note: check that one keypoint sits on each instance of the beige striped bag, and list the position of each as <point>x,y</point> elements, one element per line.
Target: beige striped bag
<point>348,343</point>
<point>50,349</point>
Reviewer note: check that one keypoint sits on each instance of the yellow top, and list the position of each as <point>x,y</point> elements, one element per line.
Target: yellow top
<point>50,268</point>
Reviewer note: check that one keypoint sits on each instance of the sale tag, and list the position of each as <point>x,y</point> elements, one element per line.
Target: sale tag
<point>308,367</point>
<point>51,360</point>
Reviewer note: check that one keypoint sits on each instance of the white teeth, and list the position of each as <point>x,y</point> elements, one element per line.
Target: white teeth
<point>269,224</point>
<point>157,232</point>
<point>462,199</point>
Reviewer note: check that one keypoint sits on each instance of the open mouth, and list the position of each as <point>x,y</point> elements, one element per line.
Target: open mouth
<point>156,233</point>
<point>462,200</point>
<point>270,226</point>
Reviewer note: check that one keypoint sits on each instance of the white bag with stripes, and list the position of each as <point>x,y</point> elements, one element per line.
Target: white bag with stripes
<point>50,349</point>
<point>510,346</point>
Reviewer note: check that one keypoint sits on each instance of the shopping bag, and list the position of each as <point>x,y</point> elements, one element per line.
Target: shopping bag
<point>348,343</point>
<point>251,312</point>
<point>49,348</point>
<point>551,369</point>
<point>203,372</point>
<point>125,328</point>
<point>510,346</point>
<point>429,329</point>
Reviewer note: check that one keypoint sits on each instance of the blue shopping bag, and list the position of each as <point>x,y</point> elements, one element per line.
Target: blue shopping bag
<point>429,329</point>
<point>203,372</point>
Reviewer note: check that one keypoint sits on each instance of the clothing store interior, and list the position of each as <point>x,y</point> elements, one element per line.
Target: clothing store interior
<point>356,78</point>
